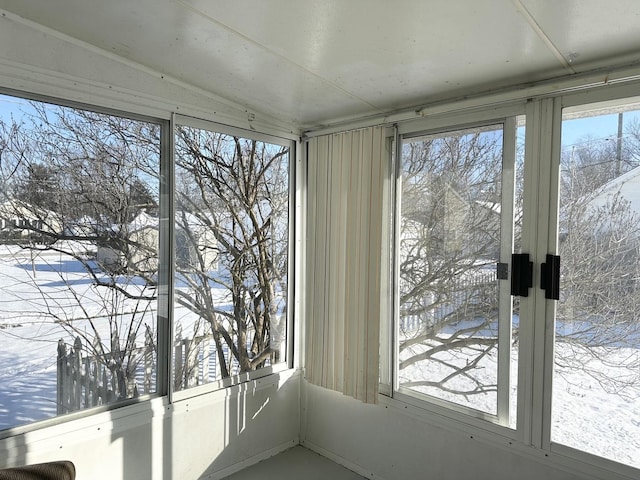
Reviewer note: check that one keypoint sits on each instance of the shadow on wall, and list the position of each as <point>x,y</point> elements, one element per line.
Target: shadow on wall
<point>143,441</point>
<point>117,444</point>
<point>13,452</point>
<point>208,436</point>
<point>220,433</point>
<point>130,448</point>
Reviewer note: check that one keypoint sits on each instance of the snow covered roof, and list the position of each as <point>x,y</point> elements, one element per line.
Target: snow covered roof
<point>626,185</point>
<point>12,208</point>
<point>143,221</point>
<point>15,207</point>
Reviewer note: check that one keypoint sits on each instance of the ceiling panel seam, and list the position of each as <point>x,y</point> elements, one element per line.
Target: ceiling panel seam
<point>542,35</point>
<point>232,30</point>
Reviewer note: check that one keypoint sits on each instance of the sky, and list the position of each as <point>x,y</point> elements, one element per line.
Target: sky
<point>602,127</point>
<point>9,105</point>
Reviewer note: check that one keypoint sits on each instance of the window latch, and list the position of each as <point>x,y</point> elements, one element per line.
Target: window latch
<point>550,277</point>
<point>502,271</point>
<point>521,274</point>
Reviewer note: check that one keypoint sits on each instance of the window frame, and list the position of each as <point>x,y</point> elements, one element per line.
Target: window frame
<point>441,125</point>
<point>161,385</point>
<point>531,436</point>
<point>616,95</point>
<point>164,318</point>
<point>197,123</point>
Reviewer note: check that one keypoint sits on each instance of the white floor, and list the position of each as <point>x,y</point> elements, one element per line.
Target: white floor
<point>297,463</point>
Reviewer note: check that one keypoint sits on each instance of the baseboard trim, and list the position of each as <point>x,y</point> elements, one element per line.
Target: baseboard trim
<point>341,461</point>
<point>236,467</point>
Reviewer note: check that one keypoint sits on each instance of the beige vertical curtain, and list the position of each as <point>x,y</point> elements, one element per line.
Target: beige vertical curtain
<point>344,235</point>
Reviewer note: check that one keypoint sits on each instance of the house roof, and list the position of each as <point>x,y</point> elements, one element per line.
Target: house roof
<point>144,221</point>
<point>13,208</point>
<point>626,185</point>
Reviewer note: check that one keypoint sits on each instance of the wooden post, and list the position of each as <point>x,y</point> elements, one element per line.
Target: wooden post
<point>191,362</point>
<point>95,382</point>
<point>115,386</point>
<point>105,386</point>
<point>61,370</point>
<point>67,381</point>
<point>130,372</point>
<point>148,360</point>
<point>177,373</point>
<point>77,374</point>
<point>86,382</point>
<point>206,353</point>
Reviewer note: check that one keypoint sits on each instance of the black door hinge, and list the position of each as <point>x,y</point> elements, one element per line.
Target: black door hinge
<point>521,274</point>
<point>550,277</point>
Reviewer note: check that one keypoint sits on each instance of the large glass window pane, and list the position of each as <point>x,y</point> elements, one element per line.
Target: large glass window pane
<point>78,259</point>
<point>231,250</point>
<point>596,382</point>
<point>450,243</point>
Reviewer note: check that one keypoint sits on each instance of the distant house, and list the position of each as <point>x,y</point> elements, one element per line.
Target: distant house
<point>84,227</point>
<point>626,186</point>
<point>134,247</point>
<point>131,247</point>
<point>606,207</point>
<point>445,222</point>
<point>21,220</point>
<point>195,243</point>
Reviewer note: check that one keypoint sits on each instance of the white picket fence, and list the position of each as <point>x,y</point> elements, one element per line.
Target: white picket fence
<point>465,290</point>
<point>85,380</point>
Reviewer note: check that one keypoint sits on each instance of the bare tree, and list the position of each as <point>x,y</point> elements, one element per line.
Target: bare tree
<point>449,238</point>
<point>597,314</point>
<point>234,191</point>
<point>449,246</point>
<point>90,183</point>
<point>74,181</point>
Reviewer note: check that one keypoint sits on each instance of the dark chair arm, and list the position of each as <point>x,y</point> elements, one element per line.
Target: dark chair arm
<point>62,470</point>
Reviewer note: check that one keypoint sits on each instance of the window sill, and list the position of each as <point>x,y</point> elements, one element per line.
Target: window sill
<point>269,377</point>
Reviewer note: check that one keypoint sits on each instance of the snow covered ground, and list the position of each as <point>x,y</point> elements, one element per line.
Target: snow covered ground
<point>585,415</point>
<point>37,293</point>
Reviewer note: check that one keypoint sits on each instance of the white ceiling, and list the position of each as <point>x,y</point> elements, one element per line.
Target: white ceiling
<point>315,62</point>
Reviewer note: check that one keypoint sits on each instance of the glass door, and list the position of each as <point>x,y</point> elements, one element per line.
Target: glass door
<point>456,210</point>
<point>596,369</point>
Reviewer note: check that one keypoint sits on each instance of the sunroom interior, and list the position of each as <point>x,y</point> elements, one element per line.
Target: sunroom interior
<point>233,228</point>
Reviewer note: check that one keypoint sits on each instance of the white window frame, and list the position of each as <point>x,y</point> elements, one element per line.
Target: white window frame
<point>504,116</point>
<point>615,94</point>
<point>161,326</point>
<point>176,396</point>
<point>532,435</point>
<point>164,320</point>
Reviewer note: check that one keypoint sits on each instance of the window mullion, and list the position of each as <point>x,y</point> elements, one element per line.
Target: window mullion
<point>166,260</point>
<point>550,171</point>
<point>535,358</point>
<point>396,191</point>
<point>506,248</point>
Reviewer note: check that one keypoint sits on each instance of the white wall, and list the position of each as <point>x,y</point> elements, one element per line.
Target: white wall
<point>208,436</point>
<point>386,443</point>
<point>216,438</point>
